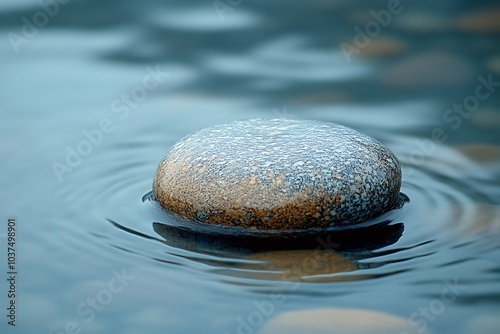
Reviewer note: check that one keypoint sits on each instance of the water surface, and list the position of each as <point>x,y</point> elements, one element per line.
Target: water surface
<point>79,228</point>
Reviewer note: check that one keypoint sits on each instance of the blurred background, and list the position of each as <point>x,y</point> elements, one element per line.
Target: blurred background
<point>94,93</point>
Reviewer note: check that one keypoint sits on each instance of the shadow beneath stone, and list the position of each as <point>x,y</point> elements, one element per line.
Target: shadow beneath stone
<point>307,256</point>
<point>358,239</point>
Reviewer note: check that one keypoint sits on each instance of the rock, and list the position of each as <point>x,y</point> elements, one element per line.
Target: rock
<point>429,70</point>
<point>481,154</point>
<point>483,21</point>
<point>493,64</point>
<point>484,324</point>
<point>383,47</point>
<point>334,320</point>
<point>486,118</point>
<point>421,22</point>
<point>278,174</point>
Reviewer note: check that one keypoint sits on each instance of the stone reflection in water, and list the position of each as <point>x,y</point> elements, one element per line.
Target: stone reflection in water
<point>309,257</point>
<point>301,265</point>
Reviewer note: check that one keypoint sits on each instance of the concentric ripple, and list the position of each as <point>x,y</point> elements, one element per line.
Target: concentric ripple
<point>421,236</point>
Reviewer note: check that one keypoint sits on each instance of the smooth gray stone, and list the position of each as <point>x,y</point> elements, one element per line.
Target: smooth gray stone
<point>278,174</point>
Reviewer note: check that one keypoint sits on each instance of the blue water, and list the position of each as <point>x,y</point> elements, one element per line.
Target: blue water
<point>94,93</point>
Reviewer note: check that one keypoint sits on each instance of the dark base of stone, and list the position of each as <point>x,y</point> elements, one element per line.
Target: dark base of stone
<point>368,238</point>
<point>180,232</point>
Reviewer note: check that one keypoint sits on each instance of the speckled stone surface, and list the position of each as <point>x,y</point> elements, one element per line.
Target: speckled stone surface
<point>278,174</point>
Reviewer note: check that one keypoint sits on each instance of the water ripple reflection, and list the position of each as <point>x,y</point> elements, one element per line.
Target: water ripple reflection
<point>409,241</point>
